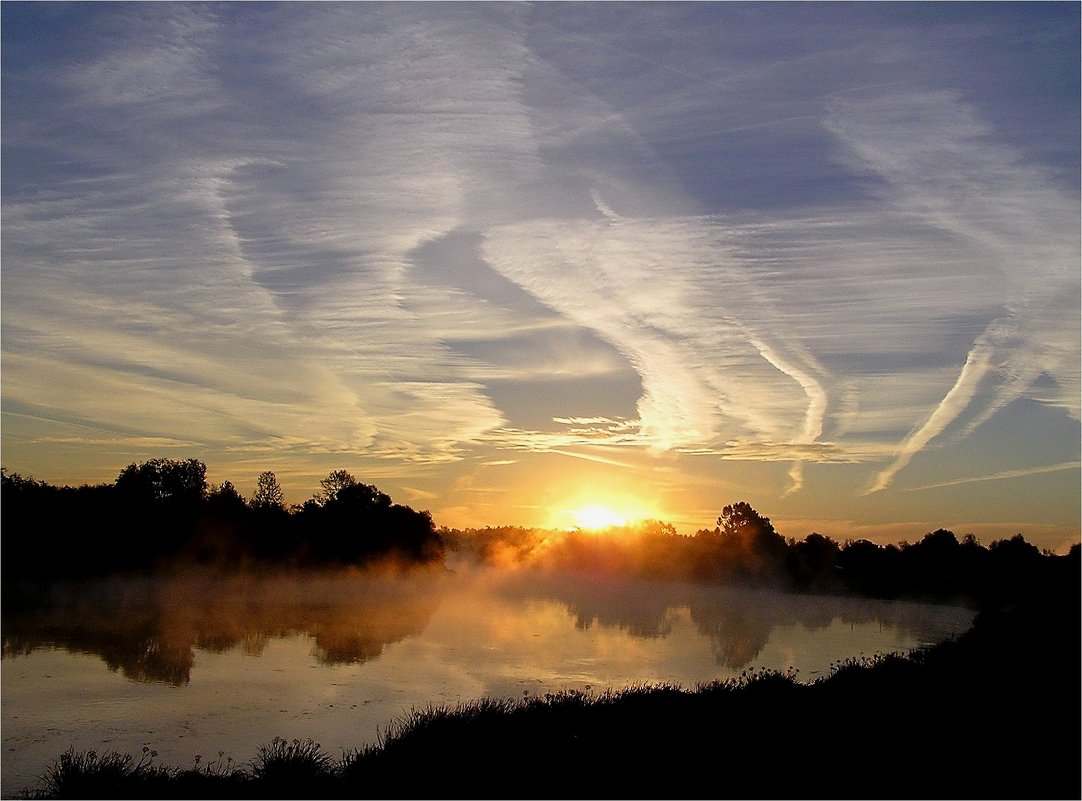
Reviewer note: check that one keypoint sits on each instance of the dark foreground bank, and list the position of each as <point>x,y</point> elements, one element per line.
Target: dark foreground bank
<point>943,723</point>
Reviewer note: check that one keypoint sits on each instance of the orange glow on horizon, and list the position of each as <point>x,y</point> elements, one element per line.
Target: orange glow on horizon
<point>597,516</point>
<point>597,511</point>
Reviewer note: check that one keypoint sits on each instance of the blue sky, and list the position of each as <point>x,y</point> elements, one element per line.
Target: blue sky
<point>506,260</point>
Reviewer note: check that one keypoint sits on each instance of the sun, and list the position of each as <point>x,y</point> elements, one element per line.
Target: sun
<point>597,516</point>
<point>598,506</point>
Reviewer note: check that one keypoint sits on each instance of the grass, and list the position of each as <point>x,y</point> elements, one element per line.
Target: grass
<point>930,724</point>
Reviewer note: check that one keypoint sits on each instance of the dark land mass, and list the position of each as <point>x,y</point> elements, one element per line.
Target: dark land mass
<point>994,713</point>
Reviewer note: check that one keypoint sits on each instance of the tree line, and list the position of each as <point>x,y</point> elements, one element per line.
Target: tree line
<point>161,513</point>
<point>744,548</point>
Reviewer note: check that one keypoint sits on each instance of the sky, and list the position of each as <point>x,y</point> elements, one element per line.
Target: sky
<point>510,261</point>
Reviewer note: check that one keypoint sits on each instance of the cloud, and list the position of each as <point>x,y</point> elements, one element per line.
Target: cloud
<point>641,284</point>
<point>962,231</point>
<point>247,261</point>
<point>136,443</point>
<point>816,452</point>
<point>579,436</point>
<point>1001,475</point>
<point>165,70</point>
<point>939,162</point>
<point>358,231</point>
<point>953,404</point>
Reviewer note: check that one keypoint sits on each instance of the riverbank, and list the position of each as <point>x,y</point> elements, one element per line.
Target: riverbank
<point>936,723</point>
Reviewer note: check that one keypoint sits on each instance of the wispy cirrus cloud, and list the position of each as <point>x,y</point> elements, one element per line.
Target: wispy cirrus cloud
<point>404,235</point>
<point>260,248</point>
<point>874,293</point>
<point>953,404</point>
<point>1000,476</point>
<point>136,443</point>
<point>934,154</point>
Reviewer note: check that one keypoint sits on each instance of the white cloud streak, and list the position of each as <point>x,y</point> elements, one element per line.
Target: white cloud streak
<point>225,250</point>
<point>938,163</point>
<point>952,405</point>
<point>1000,476</point>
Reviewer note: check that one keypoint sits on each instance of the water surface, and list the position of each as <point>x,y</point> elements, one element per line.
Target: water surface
<point>197,665</point>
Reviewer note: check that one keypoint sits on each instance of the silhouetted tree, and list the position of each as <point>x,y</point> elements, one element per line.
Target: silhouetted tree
<point>360,497</point>
<point>740,518</point>
<point>1014,566</point>
<point>933,567</point>
<point>220,533</point>
<point>159,505</point>
<point>333,484</point>
<point>180,482</point>
<point>225,504</point>
<point>268,493</point>
<point>350,522</point>
<point>862,565</point>
<point>1015,549</point>
<point>751,543</point>
<point>813,563</point>
<point>225,496</point>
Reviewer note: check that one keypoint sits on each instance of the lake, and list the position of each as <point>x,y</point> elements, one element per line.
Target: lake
<point>217,666</point>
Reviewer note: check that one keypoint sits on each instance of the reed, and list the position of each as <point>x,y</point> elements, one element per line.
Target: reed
<point>89,774</point>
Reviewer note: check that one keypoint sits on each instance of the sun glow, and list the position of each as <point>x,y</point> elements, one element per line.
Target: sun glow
<point>590,498</point>
<point>597,516</point>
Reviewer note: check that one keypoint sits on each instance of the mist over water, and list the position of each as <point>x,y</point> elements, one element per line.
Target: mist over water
<point>197,664</point>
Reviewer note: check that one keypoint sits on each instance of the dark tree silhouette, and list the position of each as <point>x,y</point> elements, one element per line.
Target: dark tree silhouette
<point>360,497</point>
<point>868,569</point>
<point>225,494</point>
<point>334,483</point>
<point>180,482</point>
<point>161,514</point>
<point>224,501</point>
<point>741,520</point>
<point>268,493</point>
<point>751,544</point>
<point>350,521</point>
<point>813,563</point>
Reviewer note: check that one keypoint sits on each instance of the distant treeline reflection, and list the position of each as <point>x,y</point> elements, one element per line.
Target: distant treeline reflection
<point>738,622</point>
<point>148,628</point>
<point>162,514</point>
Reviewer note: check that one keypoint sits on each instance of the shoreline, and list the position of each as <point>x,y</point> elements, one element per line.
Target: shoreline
<point>925,724</point>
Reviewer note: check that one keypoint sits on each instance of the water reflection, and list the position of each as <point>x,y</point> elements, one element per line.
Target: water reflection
<point>738,622</point>
<point>340,655</point>
<point>148,629</point>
